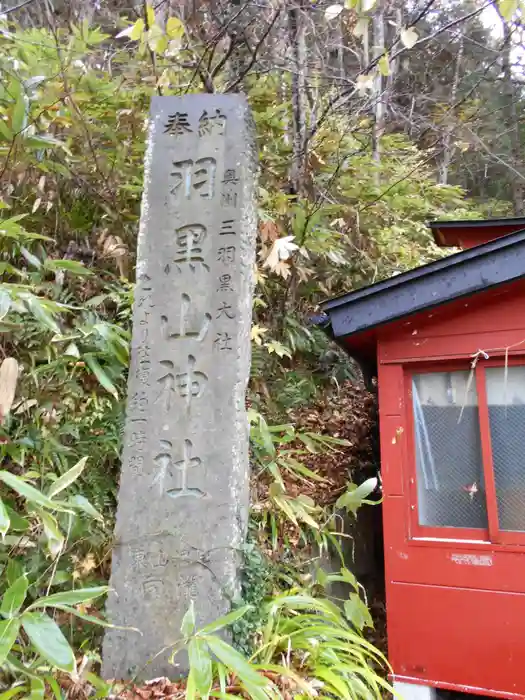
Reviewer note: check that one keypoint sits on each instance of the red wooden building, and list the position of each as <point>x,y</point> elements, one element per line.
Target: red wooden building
<point>447,344</point>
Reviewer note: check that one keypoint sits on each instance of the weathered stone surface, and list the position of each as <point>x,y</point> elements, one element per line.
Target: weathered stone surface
<point>183,496</point>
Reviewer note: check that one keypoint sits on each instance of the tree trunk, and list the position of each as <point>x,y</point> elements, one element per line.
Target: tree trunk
<point>448,149</point>
<point>510,115</point>
<point>378,29</point>
<point>297,38</point>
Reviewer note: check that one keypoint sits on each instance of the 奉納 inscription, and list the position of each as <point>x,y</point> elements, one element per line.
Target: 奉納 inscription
<point>213,124</point>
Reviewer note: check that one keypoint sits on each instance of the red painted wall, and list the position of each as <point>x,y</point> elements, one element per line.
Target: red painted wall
<point>455,599</point>
<point>462,236</point>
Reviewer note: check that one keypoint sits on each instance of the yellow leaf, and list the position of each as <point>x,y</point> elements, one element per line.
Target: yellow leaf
<point>153,37</point>
<point>150,16</point>
<point>137,31</point>
<point>361,27</point>
<point>508,8</point>
<point>162,44</point>
<point>257,333</point>
<point>8,382</point>
<point>383,66</point>
<point>277,348</point>
<point>409,37</point>
<point>283,269</point>
<point>174,28</point>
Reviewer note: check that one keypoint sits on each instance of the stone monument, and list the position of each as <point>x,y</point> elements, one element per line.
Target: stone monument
<point>183,498</point>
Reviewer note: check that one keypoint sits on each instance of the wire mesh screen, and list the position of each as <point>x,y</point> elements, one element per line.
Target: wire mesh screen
<point>506,400</point>
<point>449,467</point>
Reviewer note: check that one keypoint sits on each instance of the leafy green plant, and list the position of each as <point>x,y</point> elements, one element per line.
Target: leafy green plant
<point>31,641</point>
<point>307,642</point>
<point>211,659</point>
<point>355,496</point>
<point>256,583</point>
<point>323,644</point>
<point>280,451</point>
<point>73,104</point>
<point>274,452</point>
<point>41,635</point>
<point>355,606</point>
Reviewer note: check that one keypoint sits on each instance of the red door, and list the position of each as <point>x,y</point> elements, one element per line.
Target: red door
<point>455,532</point>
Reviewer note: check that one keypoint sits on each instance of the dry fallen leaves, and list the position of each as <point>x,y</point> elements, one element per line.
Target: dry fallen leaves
<point>281,251</point>
<point>8,382</point>
<point>349,414</point>
<point>268,231</point>
<point>113,247</point>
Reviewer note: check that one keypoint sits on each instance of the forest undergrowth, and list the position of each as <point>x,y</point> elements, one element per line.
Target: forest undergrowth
<point>74,100</point>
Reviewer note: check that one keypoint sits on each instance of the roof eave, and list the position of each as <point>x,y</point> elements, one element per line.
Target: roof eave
<point>449,233</point>
<point>465,273</point>
<point>479,223</point>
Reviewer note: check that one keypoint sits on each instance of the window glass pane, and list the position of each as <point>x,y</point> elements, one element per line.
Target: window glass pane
<point>450,485</point>
<point>506,400</point>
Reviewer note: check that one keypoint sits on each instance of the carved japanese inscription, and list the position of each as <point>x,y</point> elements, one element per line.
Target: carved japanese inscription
<point>168,466</point>
<point>189,247</point>
<point>188,384</point>
<point>184,485</point>
<point>194,177</point>
<point>177,124</point>
<point>197,331</point>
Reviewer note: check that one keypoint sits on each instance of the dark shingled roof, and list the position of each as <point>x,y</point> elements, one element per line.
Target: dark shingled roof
<point>459,275</point>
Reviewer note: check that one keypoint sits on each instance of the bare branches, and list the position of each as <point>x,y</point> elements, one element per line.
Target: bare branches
<point>9,10</point>
<point>323,70</point>
<point>254,52</point>
<point>343,97</point>
<point>297,39</point>
<point>151,53</point>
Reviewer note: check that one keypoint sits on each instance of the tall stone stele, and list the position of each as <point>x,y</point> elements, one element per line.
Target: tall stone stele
<point>183,498</point>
